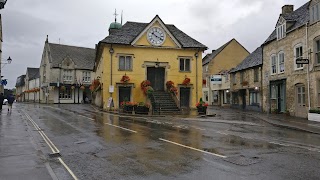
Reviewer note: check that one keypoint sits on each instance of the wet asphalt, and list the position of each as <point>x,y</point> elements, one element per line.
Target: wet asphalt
<point>98,145</point>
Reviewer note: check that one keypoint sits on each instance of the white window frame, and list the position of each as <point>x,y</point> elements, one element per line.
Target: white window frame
<point>184,67</point>
<point>67,75</point>
<point>126,59</point>
<point>65,94</point>
<point>298,56</point>
<point>86,76</point>
<point>281,61</point>
<point>281,31</point>
<point>315,13</point>
<point>275,63</point>
<point>317,51</point>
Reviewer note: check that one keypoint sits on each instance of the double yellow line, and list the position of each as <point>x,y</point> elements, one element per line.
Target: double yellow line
<point>53,148</point>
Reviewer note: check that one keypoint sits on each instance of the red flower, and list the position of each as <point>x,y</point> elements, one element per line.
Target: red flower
<point>204,81</point>
<point>186,81</point>
<point>125,79</point>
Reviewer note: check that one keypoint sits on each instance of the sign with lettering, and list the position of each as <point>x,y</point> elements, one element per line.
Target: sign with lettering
<point>302,61</point>
<point>110,102</point>
<point>216,79</point>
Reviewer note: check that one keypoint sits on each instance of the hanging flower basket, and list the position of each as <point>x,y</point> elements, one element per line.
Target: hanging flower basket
<point>169,84</point>
<point>125,79</point>
<point>186,81</point>
<point>202,107</point>
<point>63,88</point>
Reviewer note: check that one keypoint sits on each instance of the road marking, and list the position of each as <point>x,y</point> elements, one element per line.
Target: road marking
<point>53,148</point>
<point>192,148</point>
<point>122,128</point>
<point>86,117</point>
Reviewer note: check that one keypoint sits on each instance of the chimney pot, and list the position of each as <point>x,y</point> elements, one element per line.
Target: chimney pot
<point>286,9</point>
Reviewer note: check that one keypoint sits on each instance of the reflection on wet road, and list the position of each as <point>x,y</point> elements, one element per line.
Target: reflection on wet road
<point>124,147</point>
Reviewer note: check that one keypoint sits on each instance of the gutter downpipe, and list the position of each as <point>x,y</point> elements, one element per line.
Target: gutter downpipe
<point>196,55</point>
<point>308,75</point>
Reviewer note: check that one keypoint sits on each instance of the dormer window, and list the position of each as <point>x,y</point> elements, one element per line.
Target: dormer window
<point>315,13</point>
<point>281,31</point>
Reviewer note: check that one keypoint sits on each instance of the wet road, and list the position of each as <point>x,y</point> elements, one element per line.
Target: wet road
<point>233,145</point>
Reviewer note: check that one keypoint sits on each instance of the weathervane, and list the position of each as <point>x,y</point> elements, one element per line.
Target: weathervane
<point>115,15</point>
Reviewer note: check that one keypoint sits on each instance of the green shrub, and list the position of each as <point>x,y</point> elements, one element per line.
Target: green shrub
<point>317,111</point>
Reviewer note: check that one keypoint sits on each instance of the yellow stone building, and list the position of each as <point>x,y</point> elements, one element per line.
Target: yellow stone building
<point>153,51</point>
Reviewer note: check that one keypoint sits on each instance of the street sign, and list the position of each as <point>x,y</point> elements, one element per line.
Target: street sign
<point>302,61</point>
<point>216,79</point>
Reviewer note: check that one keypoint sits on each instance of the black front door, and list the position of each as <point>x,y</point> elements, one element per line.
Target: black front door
<point>124,94</point>
<point>156,77</point>
<point>184,97</point>
<point>243,96</point>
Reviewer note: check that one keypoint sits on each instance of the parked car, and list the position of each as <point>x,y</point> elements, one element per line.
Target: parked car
<point>5,101</point>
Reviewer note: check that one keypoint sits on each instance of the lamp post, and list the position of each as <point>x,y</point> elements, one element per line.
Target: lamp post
<point>196,55</point>
<point>8,61</point>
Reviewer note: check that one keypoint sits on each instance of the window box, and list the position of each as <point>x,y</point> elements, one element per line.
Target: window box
<point>141,109</point>
<point>128,109</point>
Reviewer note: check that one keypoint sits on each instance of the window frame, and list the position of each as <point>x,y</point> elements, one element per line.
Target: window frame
<point>125,62</point>
<point>315,13</point>
<point>298,46</point>
<point>254,98</point>
<point>184,64</point>
<point>280,63</point>
<point>317,51</point>
<point>256,75</point>
<point>86,76</point>
<point>275,64</point>
<point>67,75</point>
<point>281,31</point>
<point>65,94</point>
<point>241,76</point>
<point>233,76</point>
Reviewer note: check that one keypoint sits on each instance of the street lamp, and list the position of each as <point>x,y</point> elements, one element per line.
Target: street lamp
<point>2,3</point>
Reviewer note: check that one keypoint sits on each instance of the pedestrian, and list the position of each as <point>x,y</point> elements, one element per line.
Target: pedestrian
<point>1,100</point>
<point>10,102</point>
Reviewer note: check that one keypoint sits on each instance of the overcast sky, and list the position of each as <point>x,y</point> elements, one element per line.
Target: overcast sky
<point>84,23</point>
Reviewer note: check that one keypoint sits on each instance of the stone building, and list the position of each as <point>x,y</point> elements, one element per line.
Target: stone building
<point>66,73</point>
<point>286,84</point>
<point>246,83</point>
<point>20,88</point>
<point>153,51</point>
<point>32,85</point>
<point>217,64</point>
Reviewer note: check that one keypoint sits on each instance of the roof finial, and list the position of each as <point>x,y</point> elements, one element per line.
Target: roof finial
<point>121,16</point>
<point>47,40</point>
<point>115,15</point>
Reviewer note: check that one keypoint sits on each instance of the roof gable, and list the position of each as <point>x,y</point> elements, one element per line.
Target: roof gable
<point>158,23</point>
<point>20,81</point>
<point>131,30</point>
<point>32,73</point>
<point>82,57</point>
<point>208,58</point>
<point>254,59</point>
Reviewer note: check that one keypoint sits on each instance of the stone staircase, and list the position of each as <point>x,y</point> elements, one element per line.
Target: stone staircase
<point>163,103</point>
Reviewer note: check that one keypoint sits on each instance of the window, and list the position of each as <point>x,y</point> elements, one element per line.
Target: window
<point>301,93</point>
<point>241,76</point>
<point>233,77</point>
<point>298,53</point>
<point>315,13</point>
<point>281,62</point>
<point>254,98</point>
<point>317,51</point>
<point>44,73</point>
<point>256,74</point>
<point>273,64</point>
<point>125,63</point>
<point>184,64</point>
<point>235,99</point>
<point>207,68</point>
<point>318,91</point>
<point>65,94</point>
<point>273,92</point>
<point>86,76</point>
<point>281,31</point>
<point>67,75</point>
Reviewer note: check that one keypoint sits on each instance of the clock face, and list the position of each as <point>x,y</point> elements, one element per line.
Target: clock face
<point>156,36</point>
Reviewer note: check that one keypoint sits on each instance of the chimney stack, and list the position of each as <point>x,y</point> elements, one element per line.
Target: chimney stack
<point>286,9</point>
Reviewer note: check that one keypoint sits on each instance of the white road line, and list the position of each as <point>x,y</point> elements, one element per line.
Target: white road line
<point>122,128</point>
<point>86,117</point>
<point>188,147</point>
<point>53,148</point>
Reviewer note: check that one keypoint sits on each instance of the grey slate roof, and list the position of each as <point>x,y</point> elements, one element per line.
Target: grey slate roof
<point>299,17</point>
<point>20,81</point>
<point>254,59</point>
<point>211,56</point>
<point>130,30</point>
<point>82,57</point>
<point>33,73</point>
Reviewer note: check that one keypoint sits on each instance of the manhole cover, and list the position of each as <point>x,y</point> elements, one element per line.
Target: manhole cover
<point>242,160</point>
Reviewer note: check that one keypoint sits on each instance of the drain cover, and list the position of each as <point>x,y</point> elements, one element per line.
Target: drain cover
<point>242,160</point>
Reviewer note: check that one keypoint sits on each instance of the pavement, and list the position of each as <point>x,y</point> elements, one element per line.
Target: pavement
<point>279,120</point>
<point>20,156</point>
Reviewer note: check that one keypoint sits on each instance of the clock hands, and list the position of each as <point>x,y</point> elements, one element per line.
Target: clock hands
<point>156,36</point>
